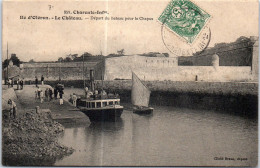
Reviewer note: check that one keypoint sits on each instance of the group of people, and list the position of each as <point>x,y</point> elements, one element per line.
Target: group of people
<point>49,93</point>
<point>19,83</point>
<point>59,90</point>
<point>40,94</point>
<point>101,94</point>
<point>36,80</point>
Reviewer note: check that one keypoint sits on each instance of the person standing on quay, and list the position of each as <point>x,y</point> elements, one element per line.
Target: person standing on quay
<point>55,92</point>
<point>12,82</point>
<point>42,80</point>
<point>50,93</point>
<point>47,94</point>
<point>39,92</point>
<point>61,93</point>
<point>41,96</point>
<point>36,94</point>
<point>36,81</point>
<point>13,108</point>
<point>74,99</point>
<point>18,84</point>
<point>21,84</point>
<point>9,82</point>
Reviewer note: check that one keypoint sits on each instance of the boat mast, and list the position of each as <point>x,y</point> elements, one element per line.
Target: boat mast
<point>83,73</point>
<point>102,76</point>
<point>102,63</point>
<point>59,71</point>
<point>7,62</point>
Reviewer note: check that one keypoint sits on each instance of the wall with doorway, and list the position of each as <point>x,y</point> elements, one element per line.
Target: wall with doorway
<point>152,69</point>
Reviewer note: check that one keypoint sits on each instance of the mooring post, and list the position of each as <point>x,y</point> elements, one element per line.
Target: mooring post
<point>37,108</point>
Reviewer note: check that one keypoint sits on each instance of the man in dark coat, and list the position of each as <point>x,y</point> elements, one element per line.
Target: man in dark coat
<point>55,93</point>
<point>21,84</point>
<point>50,94</point>
<point>36,81</point>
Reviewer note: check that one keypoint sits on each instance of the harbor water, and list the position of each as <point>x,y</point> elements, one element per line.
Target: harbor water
<point>170,137</point>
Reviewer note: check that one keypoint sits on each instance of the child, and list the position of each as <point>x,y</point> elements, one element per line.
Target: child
<point>61,101</point>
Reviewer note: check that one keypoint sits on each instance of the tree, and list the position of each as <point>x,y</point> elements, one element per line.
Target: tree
<point>5,63</point>
<point>242,39</point>
<point>121,52</point>
<point>86,54</point>
<point>166,54</point>
<point>74,56</point>
<point>31,60</point>
<point>67,59</point>
<point>60,59</point>
<point>16,61</point>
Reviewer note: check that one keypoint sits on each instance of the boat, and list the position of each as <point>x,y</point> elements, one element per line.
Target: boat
<point>100,107</point>
<point>140,96</point>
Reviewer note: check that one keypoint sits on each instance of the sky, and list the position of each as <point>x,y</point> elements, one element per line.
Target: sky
<point>47,40</point>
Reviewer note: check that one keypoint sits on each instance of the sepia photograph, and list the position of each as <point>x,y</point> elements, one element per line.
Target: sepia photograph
<point>130,83</point>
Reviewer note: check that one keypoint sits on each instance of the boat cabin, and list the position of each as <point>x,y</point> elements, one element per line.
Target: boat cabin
<point>100,103</point>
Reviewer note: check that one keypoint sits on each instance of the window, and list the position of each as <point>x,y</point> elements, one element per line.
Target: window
<point>104,104</point>
<point>98,104</point>
<point>111,103</point>
<point>93,104</point>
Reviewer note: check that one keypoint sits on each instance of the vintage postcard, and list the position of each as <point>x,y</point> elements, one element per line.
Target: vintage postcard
<point>130,83</point>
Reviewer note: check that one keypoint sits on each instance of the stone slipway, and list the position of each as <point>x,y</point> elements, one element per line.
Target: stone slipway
<point>65,113</point>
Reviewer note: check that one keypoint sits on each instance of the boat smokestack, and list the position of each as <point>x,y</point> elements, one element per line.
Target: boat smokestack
<point>92,87</point>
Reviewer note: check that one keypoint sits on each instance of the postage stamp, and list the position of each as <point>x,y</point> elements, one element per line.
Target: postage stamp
<point>185,19</point>
<point>180,47</point>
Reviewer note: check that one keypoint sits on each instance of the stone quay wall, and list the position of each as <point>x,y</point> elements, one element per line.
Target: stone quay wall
<point>217,88</point>
<point>236,98</point>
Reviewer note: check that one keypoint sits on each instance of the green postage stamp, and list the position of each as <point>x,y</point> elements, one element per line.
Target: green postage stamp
<point>184,18</point>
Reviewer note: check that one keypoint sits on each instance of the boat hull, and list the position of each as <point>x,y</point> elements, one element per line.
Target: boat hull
<point>144,111</point>
<point>108,114</point>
